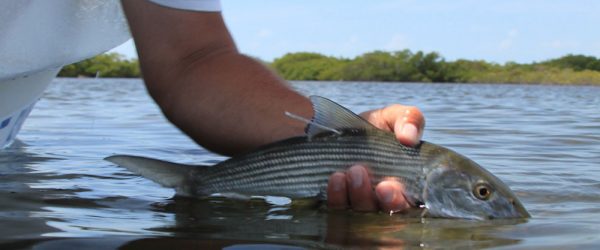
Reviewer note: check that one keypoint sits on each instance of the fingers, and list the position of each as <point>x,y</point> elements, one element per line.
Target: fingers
<point>408,125</point>
<point>360,192</point>
<point>390,194</point>
<point>337,193</point>
<point>353,189</point>
<point>407,122</point>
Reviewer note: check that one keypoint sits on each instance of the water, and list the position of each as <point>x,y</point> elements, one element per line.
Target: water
<point>58,193</point>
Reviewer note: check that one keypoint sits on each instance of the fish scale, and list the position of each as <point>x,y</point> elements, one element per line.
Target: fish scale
<point>305,164</point>
<point>436,179</point>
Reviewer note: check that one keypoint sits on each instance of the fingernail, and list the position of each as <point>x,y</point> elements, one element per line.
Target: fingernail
<point>337,186</point>
<point>410,131</point>
<point>357,175</point>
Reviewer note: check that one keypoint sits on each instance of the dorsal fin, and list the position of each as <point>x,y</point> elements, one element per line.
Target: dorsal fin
<point>332,116</point>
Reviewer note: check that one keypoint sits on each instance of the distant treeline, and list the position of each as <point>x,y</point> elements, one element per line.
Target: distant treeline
<point>399,66</point>
<point>406,66</point>
<point>104,65</point>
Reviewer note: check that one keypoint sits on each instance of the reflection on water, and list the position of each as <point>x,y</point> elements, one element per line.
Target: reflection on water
<point>302,226</point>
<point>17,199</point>
<point>57,193</point>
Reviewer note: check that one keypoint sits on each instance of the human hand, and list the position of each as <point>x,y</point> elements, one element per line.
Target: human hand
<point>353,187</point>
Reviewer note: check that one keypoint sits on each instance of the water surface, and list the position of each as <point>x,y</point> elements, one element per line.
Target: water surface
<point>58,193</point>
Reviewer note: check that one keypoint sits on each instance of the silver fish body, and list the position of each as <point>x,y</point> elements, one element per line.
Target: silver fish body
<point>446,183</point>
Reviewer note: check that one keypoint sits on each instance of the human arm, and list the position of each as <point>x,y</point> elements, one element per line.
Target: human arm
<point>225,101</point>
<point>230,103</point>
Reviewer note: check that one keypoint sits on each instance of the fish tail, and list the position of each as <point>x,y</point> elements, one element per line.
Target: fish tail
<point>165,173</point>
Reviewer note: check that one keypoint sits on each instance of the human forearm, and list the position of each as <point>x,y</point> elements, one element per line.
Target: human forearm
<point>230,103</point>
<point>225,101</point>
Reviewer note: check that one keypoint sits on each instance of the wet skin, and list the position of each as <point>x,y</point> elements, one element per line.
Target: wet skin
<point>352,188</point>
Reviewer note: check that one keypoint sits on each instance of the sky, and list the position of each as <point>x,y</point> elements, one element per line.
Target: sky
<point>496,31</point>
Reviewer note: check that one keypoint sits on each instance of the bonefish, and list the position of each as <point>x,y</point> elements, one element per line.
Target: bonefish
<point>438,180</point>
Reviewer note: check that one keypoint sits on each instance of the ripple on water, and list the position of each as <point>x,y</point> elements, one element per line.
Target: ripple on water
<point>57,191</point>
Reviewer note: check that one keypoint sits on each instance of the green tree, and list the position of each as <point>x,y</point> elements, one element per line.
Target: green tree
<point>104,65</point>
<point>373,66</point>
<point>576,62</point>
<point>305,66</point>
<point>403,66</point>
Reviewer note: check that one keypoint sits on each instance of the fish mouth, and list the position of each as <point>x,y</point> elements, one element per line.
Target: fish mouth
<point>520,209</point>
<point>412,201</point>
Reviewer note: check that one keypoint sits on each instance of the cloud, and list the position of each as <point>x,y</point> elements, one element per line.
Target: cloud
<point>348,46</point>
<point>509,40</point>
<point>398,42</point>
<point>264,33</point>
<point>561,44</point>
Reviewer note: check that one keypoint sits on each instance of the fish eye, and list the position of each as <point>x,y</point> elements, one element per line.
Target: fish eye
<point>482,191</point>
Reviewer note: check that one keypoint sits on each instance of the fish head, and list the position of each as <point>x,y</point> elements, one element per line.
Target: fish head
<point>457,187</point>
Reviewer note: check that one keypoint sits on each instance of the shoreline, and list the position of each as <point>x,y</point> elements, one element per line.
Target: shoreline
<point>357,81</point>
